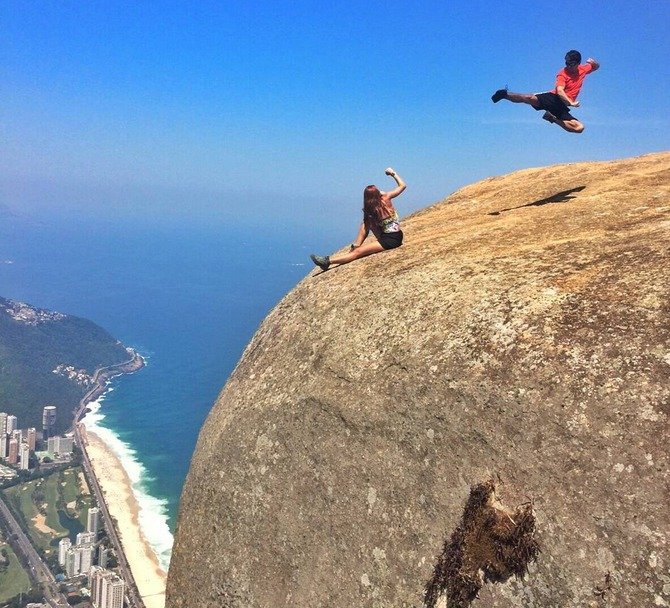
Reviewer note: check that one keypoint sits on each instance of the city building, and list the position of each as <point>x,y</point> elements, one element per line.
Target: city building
<point>79,560</point>
<point>60,445</point>
<point>48,421</point>
<point>115,592</point>
<point>31,438</point>
<point>24,456</point>
<point>103,556</point>
<point>4,444</point>
<point>3,423</point>
<point>85,538</point>
<point>107,589</point>
<point>11,424</point>
<point>13,456</point>
<point>63,546</point>
<point>87,555</point>
<point>72,562</point>
<point>94,577</point>
<point>93,520</point>
<point>95,580</point>
<point>52,445</point>
<point>66,444</point>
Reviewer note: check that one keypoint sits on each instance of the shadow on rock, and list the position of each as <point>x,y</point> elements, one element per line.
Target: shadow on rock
<point>560,197</point>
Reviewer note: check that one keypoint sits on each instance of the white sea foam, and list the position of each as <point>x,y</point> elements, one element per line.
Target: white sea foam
<point>153,514</point>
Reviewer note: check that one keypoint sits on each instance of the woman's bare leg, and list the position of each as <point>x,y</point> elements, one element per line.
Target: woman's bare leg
<point>359,252</point>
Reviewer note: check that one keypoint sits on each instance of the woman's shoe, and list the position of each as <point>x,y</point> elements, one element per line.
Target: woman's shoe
<point>322,261</point>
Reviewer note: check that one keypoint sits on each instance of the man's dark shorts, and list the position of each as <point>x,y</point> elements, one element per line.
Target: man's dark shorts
<point>390,240</point>
<point>554,104</point>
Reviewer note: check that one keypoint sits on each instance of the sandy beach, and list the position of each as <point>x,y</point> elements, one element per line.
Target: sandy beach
<point>123,506</point>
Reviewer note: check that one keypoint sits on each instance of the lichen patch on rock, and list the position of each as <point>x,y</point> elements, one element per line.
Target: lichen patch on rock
<point>491,543</point>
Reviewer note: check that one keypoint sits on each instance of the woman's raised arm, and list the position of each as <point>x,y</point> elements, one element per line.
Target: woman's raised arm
<point>398,180</point>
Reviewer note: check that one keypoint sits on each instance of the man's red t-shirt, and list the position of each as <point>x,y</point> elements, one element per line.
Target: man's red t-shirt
<point>572,84</point>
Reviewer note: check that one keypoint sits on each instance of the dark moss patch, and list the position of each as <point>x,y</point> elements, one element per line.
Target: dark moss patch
<point>491,544</point>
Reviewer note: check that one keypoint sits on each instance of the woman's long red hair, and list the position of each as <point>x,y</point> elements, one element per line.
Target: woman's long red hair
<point>375,207</point>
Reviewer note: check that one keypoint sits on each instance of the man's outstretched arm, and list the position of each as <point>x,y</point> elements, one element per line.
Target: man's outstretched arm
<point>593,63</point>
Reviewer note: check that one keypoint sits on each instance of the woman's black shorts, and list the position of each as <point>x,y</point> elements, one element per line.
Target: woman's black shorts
<point>554,104</point>
<point>390,240</point>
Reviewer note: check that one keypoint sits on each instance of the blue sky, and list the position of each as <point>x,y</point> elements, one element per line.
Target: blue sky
<point>288,109</point>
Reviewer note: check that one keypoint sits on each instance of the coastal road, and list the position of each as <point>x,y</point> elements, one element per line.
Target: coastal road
<point>36,568</point>
<point>135,600</point>
<point>100,377</point>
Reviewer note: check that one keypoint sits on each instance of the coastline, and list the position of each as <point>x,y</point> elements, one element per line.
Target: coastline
<point>116,485</point>
<point>146,573</point>
<point>101,378</point>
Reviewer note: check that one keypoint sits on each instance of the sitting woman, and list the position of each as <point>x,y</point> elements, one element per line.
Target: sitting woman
<point>380,217</point>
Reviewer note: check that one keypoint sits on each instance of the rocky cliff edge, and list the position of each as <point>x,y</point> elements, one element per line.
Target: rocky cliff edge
<point>519,340</point>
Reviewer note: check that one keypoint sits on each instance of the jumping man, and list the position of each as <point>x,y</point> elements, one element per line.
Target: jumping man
<point>556,103</point>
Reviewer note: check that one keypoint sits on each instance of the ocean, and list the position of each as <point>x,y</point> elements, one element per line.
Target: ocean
<point>186,296</point>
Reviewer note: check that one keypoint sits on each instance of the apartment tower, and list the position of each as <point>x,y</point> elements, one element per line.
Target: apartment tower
<point>24,456</point>
<point>13,457</point>
<point>48,421</point>
<point>31,438</point>
<point>93,520</point>
<point>107,589</point>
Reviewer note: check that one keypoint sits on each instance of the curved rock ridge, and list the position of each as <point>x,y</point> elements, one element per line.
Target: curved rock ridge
<point>520,335</point>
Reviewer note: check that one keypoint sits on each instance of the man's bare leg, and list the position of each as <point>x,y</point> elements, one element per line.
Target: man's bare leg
<point>571,126</point>
<point>528,98</point>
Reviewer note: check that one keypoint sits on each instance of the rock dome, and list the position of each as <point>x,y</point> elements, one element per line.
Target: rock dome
<point>520,338</point>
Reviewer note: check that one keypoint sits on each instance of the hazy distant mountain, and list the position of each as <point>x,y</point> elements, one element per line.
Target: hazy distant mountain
<point>48,358</point>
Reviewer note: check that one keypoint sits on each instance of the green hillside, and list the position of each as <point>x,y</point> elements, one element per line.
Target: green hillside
<point>35,342</point>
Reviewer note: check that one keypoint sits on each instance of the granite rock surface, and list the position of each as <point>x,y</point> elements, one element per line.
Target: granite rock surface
<point>521,335</point>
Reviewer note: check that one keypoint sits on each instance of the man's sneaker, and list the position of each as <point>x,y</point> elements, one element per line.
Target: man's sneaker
<point>549,116</point>
<point>322,261</point>
<point>498,95</point>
